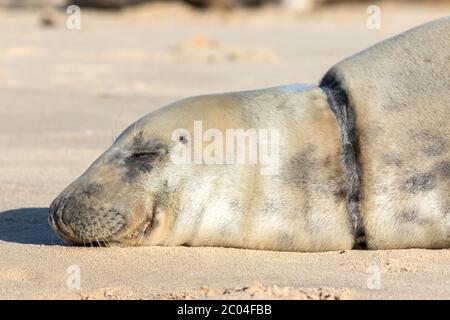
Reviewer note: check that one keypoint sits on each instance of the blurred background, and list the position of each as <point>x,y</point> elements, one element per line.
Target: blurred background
<point>72,78</point>
<point>74,74</point>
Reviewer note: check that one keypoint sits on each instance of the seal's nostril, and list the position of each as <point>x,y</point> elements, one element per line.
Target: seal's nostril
<point>56,211</point>
<point>52,212</point>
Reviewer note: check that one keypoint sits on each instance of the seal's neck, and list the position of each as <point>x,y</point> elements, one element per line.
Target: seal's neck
<point>346,119</point>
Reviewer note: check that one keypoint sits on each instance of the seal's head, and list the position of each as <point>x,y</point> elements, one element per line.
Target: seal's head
<point>113,200</point>
<point>123,197</point>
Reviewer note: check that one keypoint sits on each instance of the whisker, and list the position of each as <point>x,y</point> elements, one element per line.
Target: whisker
<point>141,239</point>
<point>105,241</point>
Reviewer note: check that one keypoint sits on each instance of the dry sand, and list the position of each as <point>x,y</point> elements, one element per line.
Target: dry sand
<point>64,95</point>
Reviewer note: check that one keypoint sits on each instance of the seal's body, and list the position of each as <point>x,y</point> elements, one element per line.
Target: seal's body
<point>399,91</point>
<point>363,160</point>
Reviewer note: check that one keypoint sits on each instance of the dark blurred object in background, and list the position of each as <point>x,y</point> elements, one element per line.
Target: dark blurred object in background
<point>106,4</point>
<point>230,3</point>
<point>224,4</point>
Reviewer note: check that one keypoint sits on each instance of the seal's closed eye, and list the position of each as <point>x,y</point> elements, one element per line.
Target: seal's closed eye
<point>139,162</point>
<point>143,155</point>
<point>140,153</point>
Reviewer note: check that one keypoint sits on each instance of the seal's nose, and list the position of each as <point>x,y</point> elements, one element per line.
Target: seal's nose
<point>52,214</point>
<point>55,218</point>
<point>81,215</point>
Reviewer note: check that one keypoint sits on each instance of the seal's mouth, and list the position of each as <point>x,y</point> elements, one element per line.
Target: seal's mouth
<point>96,228</point>
<point>138,235</point>
<point>134,238</point>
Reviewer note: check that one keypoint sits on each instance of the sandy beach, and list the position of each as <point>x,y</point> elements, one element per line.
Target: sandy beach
<point>66,94</point>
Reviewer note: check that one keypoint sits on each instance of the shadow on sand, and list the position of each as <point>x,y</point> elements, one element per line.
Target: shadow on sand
<point>27,226</point>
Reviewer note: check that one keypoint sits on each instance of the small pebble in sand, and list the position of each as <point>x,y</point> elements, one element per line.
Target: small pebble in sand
<point>47,19</point>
